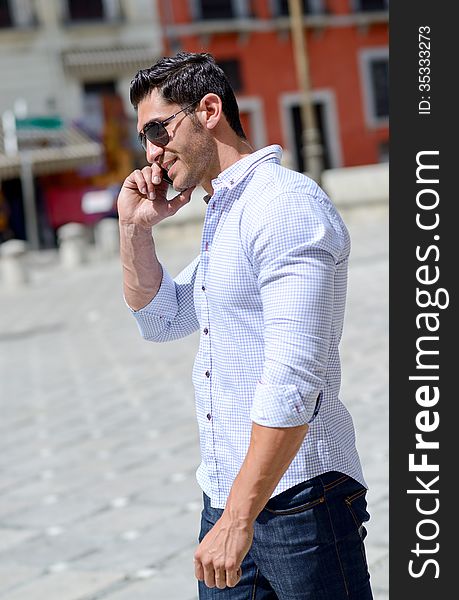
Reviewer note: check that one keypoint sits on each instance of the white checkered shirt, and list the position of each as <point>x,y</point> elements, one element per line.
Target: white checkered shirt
<point>268,295</point>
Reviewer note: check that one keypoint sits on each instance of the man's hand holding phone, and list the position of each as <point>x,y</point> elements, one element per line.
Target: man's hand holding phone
<point>143,200</point>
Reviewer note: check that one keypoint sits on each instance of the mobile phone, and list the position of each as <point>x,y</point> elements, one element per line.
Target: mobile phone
<point>166,176</point>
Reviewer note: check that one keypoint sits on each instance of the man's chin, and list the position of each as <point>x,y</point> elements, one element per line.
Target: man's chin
<point>182,186</point>
<point>179,188</point>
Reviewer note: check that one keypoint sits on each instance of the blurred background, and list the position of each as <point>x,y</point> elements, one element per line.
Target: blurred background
<point>97,434</point>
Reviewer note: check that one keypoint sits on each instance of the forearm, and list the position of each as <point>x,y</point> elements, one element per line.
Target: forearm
<point>142,272</point>
<point>270,453</point>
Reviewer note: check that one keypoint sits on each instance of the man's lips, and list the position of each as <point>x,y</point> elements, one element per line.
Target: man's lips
<point>170,168</point>
<point>168,164</point>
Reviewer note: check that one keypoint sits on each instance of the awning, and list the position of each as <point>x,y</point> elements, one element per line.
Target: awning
<point>107,62</point>
<point>71,149</point>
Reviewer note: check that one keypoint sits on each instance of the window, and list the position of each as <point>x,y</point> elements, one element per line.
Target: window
<point>375,80</point>
<point>319,109</point>
<point>5,14</point>
<point>94,11</point>
<point>93,106</point>
<point>380,83</point>
<point>232,69</point>
<point>324,105</point>
<point>217,9</point>
<point>309,7</point>
<point>100,87</point>
<point>17,13</point>
<point>371,5</point>
<point>80,10</point>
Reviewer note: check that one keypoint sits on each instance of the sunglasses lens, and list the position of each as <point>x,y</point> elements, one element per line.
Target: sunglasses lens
<point>156,133</point>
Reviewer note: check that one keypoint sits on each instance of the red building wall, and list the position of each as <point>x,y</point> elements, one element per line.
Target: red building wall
<point>268,70</point>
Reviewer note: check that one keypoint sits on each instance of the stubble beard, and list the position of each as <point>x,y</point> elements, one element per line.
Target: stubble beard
<point>199,157</point>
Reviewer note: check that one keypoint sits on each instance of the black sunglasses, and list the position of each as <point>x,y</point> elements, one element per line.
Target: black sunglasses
<point>155,131</point>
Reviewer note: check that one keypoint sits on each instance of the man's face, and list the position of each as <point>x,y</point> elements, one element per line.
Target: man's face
<point>188,155</point>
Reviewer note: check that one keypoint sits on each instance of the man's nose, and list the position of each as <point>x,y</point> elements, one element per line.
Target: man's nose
<point>153,151</point>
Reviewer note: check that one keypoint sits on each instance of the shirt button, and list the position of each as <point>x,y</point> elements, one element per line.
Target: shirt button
<point>206,331</point>
<point>203,288</point>
<point>209,416</point>
<point>207,373</point>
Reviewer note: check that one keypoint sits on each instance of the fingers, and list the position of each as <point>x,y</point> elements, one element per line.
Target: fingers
<point>150,184</point>
<point>141,182</point>
<point>147,180</point>
<point>204,571</point>
<point>220,577</point>
<point>214,575</point>
<point>198,570</point>
<point>209,575</point>
<point>233,576</point>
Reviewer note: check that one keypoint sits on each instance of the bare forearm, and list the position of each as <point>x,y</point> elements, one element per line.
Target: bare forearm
<point>270,453</point>
<point>220,554</point>
<point>142,203</point>
<point>142,272</point>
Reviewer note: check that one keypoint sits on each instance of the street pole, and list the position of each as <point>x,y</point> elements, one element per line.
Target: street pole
<point>27,176</point>
<point>28,195</point>
<point>312,147</point>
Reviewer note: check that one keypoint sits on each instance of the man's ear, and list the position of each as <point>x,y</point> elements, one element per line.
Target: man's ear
<point>210,110</point>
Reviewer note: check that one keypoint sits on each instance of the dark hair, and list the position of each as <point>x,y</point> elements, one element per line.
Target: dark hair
<point>184,79</point>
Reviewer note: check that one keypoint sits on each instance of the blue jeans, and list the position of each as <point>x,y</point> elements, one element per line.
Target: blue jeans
<point>308,545</point>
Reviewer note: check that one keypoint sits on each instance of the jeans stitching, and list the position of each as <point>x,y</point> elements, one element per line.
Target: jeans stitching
<point>336,548</point>
<point>349,502</point>
<point>356,495</point>
<point>297,509</point>
<point>254,589</point>
<point>333,484</point>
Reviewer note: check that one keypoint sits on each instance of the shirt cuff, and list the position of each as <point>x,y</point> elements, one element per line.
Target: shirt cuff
<point>157,315</point>
<point>282,406</point>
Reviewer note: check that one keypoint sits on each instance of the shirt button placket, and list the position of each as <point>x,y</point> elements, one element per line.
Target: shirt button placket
<point>209,414</point>
<point>210,226</point>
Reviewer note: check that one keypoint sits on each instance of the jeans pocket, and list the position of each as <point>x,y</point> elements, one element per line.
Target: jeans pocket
<point>357,506</point>
<point>297,499</point>
<point>296,509</point>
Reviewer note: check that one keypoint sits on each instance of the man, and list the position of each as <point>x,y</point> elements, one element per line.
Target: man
<point>284,494</point>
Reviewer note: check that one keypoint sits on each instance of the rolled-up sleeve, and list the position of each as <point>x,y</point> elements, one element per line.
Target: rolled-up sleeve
<point>171,314</point>
<point>294,249</point>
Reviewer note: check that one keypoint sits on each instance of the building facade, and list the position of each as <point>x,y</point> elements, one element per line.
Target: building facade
<point>56,53</point>
<point>347,46</point>
<point>71,61</point>
<point>68,62</point>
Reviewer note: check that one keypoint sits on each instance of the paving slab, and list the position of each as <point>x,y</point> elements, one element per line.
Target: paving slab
<point>98,437</point>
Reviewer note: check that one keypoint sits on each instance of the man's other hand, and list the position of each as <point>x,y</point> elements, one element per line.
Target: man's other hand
<point>217,561</point>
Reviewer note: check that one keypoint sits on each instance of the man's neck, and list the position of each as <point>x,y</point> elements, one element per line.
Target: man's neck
<point>228,154</point>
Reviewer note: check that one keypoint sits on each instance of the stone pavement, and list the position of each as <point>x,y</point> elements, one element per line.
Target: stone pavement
<point>98,441</point>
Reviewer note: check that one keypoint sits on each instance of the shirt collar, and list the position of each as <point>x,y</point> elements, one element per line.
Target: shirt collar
<point>231,176</point>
